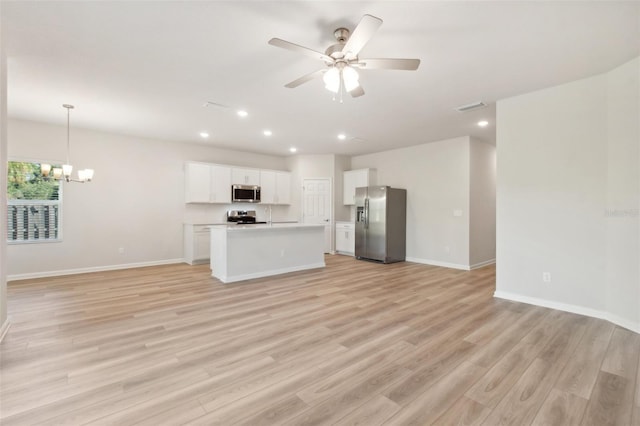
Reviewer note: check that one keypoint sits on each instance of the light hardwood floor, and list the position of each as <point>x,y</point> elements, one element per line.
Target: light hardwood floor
<point>354,343</point>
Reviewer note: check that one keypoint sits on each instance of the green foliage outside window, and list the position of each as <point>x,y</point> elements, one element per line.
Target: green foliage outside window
<point>25,182</point>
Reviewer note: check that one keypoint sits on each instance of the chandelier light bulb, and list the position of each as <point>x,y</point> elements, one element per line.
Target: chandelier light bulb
<point>66,170</point>
<point>45,169</point>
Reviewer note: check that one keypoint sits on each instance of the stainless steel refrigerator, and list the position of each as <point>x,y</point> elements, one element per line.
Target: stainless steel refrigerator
<point>381,222</point>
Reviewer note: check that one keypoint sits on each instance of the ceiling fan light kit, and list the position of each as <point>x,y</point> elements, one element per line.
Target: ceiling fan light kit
<point>332,80</point>
<point>342,58</point>
<point>341,76</point>
<point>350,78</point>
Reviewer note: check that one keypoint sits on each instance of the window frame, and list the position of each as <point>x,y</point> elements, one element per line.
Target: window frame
<point>59,202</point>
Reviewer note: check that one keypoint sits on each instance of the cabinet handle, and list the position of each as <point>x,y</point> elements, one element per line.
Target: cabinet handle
<point>346,235</point>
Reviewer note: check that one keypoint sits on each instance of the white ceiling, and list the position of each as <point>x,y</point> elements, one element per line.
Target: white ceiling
<point>147,68</point>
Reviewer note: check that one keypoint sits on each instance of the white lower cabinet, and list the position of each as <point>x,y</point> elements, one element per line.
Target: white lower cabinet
<point>345,238</point>
<point>197,244</point>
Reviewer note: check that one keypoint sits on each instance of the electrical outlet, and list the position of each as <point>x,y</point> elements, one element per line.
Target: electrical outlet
<point>546,277</point>
<point>447,249</point>
<point>121,250</point>
<point>282,253</point>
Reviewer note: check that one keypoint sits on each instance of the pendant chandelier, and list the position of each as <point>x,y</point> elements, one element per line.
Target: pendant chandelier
<point>84,175</point>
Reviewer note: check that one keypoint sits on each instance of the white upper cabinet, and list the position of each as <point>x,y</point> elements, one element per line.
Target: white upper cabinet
<point>211,183</point>
<point>353,179</point>
<point>275,187</point>
<point>207,183</point>
<point>267,186</point>
<point>197,181</point>
<point>245,176</point>
<point>220,184</point>
<point>283,188</point>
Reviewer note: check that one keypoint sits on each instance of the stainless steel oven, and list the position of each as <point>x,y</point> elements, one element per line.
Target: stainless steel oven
<point>245,193</point>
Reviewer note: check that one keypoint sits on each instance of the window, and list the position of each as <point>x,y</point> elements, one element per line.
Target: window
<point>34,204</point>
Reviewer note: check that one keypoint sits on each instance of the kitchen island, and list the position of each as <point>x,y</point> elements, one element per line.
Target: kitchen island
<point>243,252</point>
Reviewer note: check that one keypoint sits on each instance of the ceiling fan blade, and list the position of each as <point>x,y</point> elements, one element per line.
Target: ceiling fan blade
<point>358,91</point>
<point>361,35</point>
<point>300,49</point>
<point>388,64</point>
<point>305,78</point>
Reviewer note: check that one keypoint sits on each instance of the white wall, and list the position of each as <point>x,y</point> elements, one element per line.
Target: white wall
<point>482,193</point>
<point>564,154</point>
<point>436,176</point>
<point>136,200</point>
<point>4,322</point>
<point>623,193</point>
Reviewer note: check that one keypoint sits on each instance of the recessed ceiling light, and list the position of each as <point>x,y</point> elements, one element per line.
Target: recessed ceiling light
<point>292,149</point>
<point>267,133</point>
<point>483,123</point>
<point>242,113</point>
<point>204,135</point>
<point>342,136</point>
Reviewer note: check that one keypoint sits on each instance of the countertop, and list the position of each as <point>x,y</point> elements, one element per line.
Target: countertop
<point>263,226</point>
<point>227,223</point>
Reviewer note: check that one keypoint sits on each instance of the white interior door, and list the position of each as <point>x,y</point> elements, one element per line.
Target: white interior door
<point>316,206</point>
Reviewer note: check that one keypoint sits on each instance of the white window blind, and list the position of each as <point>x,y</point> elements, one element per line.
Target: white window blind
<point>34,204</point>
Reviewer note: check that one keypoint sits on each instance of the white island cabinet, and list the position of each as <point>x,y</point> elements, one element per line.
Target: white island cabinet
<point>252,251</point>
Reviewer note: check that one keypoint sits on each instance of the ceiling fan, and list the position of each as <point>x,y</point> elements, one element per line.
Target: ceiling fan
<point>341,59</point>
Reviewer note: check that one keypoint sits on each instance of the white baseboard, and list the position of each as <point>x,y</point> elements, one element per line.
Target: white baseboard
<point>4,329</point>
<point>45,274</point>
<point>483,264</point>
<point>438,263</point>
<point>243,277</point>
<point>580,310</point>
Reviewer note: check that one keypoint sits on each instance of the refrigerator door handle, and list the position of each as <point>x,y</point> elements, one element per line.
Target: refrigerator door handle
<point>366,213</point>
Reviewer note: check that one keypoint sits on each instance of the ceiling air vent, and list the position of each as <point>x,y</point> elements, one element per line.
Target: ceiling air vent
<point>471,107</point>
<point>356,139</point>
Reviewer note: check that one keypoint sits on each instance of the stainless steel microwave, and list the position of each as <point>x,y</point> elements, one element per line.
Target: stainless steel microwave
<point>245,193</point>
